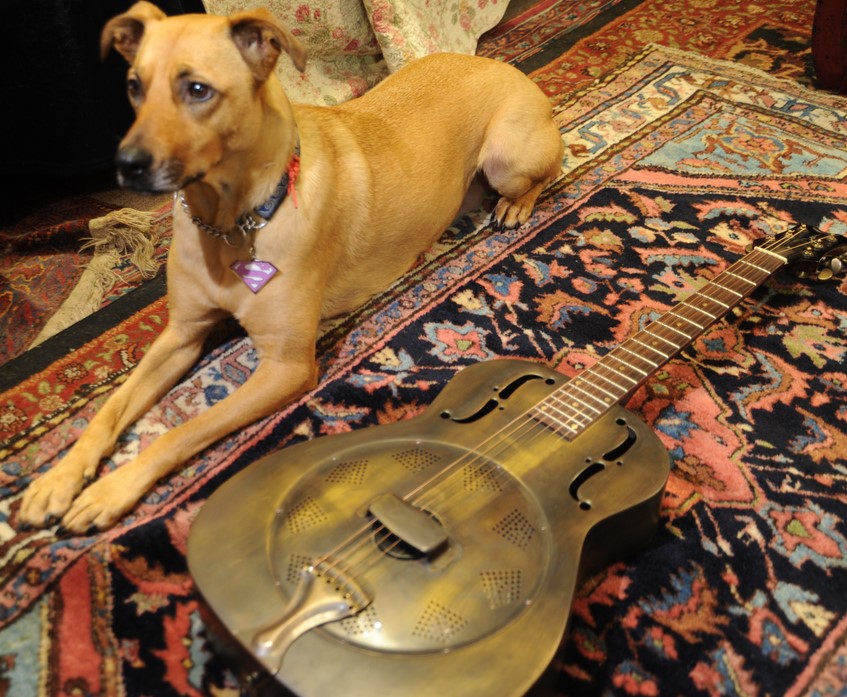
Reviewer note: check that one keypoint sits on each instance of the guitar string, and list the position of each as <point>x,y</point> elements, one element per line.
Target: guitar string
<point>569,416</point>
<point>485,458</point>
<point>367,531</point>
<point>583,416</point>
<point>524,424</point>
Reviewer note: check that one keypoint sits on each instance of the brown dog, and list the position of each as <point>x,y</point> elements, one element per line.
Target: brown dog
<point>377,180</point>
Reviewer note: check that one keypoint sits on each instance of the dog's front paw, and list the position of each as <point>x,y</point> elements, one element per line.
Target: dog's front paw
<point>50,496</point>
<point>103,503</point>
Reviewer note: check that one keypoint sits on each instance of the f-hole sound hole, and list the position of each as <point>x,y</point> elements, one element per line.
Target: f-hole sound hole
<point>492,404</point>
<point>582,478</point>
<point>623,447</point>
<point>516,384</point>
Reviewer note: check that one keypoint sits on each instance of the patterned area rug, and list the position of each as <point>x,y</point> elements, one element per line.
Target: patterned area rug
<point>68,261</point>
<point>674,162</point>
<point>40,265</point>
<point>772,35</point>
<point>529,32</point>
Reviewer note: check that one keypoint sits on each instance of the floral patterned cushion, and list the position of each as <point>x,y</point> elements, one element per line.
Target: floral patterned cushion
<point>353,44</point>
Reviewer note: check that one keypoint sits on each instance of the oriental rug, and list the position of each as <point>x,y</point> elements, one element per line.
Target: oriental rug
<point>69,260</point>
<point>674,163</point>
<point>774,36</point>
<point>40,265</point>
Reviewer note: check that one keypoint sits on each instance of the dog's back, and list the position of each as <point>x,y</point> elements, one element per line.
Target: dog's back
<point>406,153</point>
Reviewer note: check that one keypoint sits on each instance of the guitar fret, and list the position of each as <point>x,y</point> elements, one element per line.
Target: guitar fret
<point>636,340</point>
<point>576,403</point>
<point>746,262</point>
<point>717,288</point>
<point>675,313</point>
<point>610,397</point>
<point>740,278</point>
<point>541,412</point>
<point>713,307</point>
<point>612,357</point>
<point>676,331</point>
<point>568,408</point>
<point>540,415</point>
<point>561,418</point>
<point>691,306</point>
<point>669,336</point>
<point>653,365</point>
<point>650,330</point>
<point>617,389</point>
<point>575,406</point>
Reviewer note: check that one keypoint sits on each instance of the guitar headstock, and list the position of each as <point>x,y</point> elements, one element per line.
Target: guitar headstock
<point>812,252</point>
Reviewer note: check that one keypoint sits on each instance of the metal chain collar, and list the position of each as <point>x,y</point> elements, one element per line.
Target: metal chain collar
<point>246,225</point>
<point>257,218</point>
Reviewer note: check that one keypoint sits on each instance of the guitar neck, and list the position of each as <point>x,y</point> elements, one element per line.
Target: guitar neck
<point>585,398</point>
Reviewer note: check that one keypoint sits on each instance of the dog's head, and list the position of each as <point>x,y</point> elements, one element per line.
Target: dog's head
<point>196,83</point>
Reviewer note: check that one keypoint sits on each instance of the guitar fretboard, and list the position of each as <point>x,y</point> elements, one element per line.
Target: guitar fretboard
<point>585,398</point>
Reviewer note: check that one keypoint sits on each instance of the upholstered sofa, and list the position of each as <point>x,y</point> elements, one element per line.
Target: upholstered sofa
<point>352,44</point>
<point>65,110</point>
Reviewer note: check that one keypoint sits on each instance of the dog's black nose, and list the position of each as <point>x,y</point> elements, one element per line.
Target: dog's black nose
<point>133,163</point>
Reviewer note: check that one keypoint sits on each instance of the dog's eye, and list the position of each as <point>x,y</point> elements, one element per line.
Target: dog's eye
<point>133,88</point>
<point>198,92</point>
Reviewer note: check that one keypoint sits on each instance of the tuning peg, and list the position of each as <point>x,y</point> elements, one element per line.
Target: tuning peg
<point>833,268</point>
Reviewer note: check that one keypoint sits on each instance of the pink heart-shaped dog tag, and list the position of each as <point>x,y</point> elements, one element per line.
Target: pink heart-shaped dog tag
<point>254,273</point>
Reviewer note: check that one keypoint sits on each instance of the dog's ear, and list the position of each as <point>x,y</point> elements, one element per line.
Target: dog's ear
<point>261,38</point>
<point>124,32</point>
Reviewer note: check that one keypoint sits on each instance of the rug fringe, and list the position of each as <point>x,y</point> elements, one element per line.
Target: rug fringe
<point>121,234</point>
<point>125,231</point>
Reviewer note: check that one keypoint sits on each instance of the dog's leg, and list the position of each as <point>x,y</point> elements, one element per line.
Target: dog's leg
<point>50,496</point>
<point>519,163</point>
<point>273,384</point>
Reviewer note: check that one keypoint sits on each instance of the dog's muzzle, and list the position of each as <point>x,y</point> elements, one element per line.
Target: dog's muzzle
<point>133,165</point>
<point>137,170</point>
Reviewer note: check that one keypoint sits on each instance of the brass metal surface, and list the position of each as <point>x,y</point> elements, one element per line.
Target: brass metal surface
<point>454,541</point>
<point>485,613</point>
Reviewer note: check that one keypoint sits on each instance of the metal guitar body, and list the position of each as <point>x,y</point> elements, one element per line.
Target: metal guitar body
<point>455,540</point>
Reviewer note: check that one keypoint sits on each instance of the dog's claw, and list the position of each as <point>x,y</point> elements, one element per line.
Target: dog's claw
<point>62,533</point>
